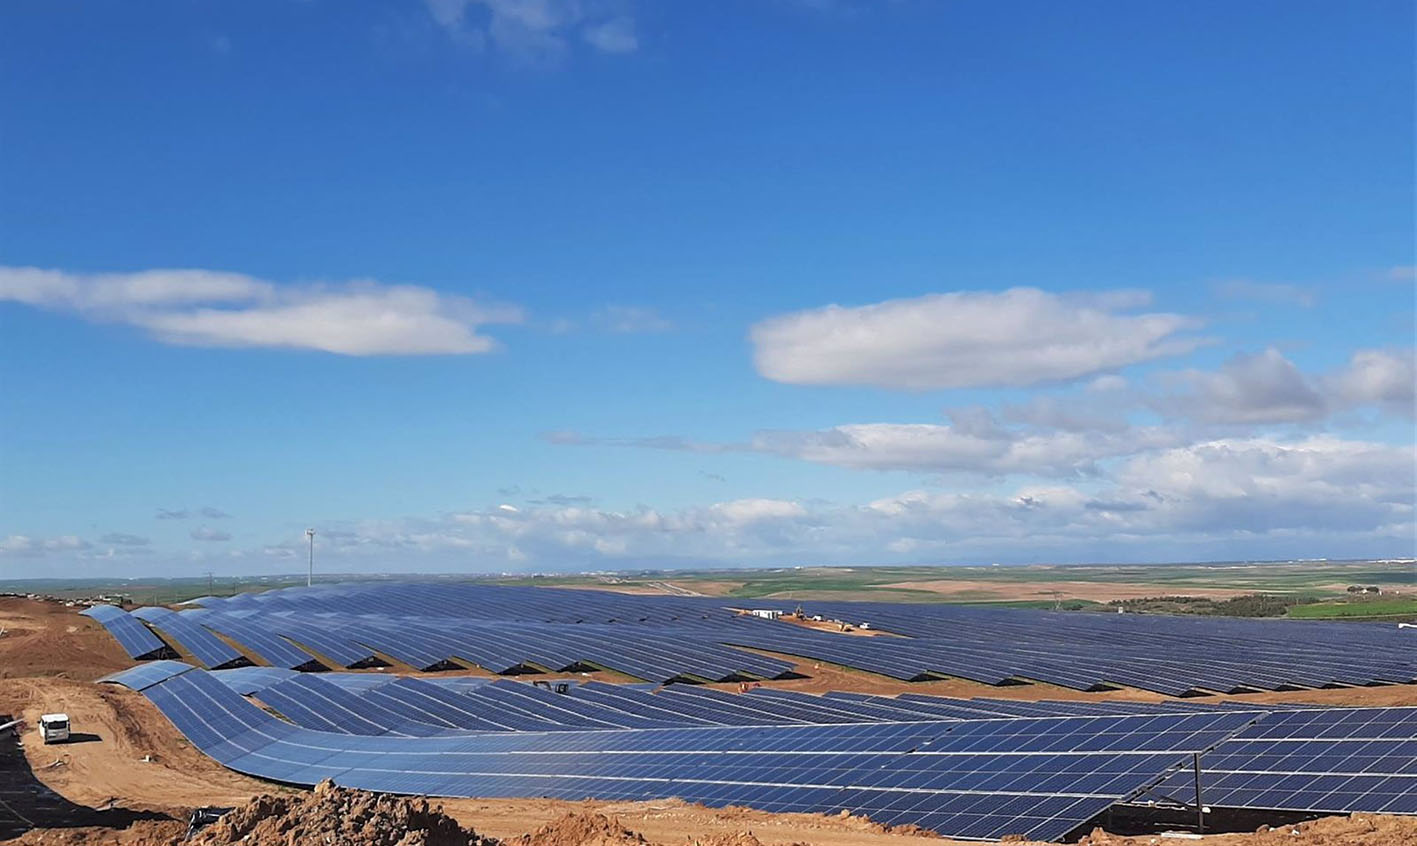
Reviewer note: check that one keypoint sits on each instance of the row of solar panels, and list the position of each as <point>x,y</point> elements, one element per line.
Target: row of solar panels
<point>1173,665</point>
<point>1038,777</point>
<point>377,703</point>
<point>471,602</point>
<point>428,626</point>
<point>316,702</point>
<point>284,640</point>
<point>1227,654</point>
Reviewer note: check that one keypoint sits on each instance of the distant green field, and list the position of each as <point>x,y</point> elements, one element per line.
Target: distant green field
<point>1308,578</point>
<point>1395,608</point>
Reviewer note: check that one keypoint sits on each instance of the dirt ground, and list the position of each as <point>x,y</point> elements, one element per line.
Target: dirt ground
<point>50,639</point>
<point>129,759</point>
<point>1364,829</point>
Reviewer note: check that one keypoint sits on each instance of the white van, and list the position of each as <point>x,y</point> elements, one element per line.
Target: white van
<point>54,728</point>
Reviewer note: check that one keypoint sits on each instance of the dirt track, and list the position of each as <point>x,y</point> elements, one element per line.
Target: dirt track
<point>139,761</point>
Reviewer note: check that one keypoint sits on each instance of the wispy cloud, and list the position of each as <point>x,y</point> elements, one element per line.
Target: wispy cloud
<point>25,546</point>
<point>203,533</point>
<point>973,442</point>
<point>218,309</point>
<point>624,320</point>
<point>616,35</point>
<point>1267,292</point>
<point>1019,337</point>
<point>537,32</point>
<point>124,539</point>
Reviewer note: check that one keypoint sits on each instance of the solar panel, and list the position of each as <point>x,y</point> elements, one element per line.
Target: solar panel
<point>441,702</point>
<point>1319,760</point>
<point>570,710</point>
<point>256,638</point>
<point>144,676</point>
<point>1036,777</point>
<point>636,701</point>
<point>358,682</point>
<point>315,703</point>
<point>661,638</point>
<point>248,680</point>
<point>202,644</point>
<point>133,636</point>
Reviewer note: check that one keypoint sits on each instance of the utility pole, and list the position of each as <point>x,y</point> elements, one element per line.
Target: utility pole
<point>211,583</point>
<point>310,578</point>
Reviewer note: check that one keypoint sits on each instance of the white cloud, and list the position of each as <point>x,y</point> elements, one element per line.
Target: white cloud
<point>1262,388</point>
<point>1386,378</point>
<point>1256,486</point>
<point>741,511</point>
<point>1234,498</point>
<point>97,293</point>
<point>1268,388</point>
<point>209,308</point>
<point>1018,337</point>
<point>203,533</point>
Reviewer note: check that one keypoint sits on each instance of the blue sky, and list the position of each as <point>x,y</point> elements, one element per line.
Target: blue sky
<point>494,285</point>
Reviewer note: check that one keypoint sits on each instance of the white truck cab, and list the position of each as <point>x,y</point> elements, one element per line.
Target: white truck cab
<point>54,728</point>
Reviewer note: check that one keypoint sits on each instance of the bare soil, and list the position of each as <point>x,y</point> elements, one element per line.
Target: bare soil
<point>1357,830</point>
<point>51,639</point>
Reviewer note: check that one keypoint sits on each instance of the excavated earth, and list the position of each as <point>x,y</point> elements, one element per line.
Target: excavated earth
<point>330,814</point>
<point>131,779</point>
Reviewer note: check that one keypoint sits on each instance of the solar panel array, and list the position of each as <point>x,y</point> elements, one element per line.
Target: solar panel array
<point>1325,760</point>
<point>257,638</point>
<point>664,638</point>
<point>981,767</point>
<point>1039,777</point>
<point>131,634</point>
<point>145,676</point>
<point>206,647</point>
<point>1174,656</point>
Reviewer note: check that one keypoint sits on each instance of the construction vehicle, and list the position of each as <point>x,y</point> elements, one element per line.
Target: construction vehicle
<point>54,728</point>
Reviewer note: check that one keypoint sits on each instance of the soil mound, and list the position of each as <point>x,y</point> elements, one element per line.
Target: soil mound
<point>331,814</point>
<point>580,829</point>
